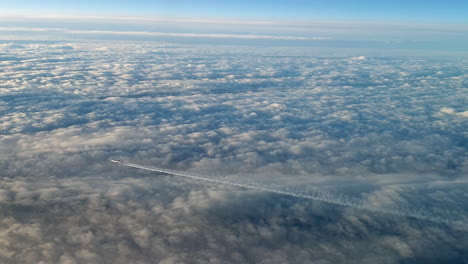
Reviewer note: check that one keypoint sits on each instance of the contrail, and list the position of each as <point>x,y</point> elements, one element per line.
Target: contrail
<point>321,197</point>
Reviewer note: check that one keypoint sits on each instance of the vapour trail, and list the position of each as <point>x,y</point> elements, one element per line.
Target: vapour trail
<point>321,197</point>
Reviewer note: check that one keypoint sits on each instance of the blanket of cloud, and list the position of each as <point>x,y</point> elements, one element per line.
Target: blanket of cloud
<point>387,131</point>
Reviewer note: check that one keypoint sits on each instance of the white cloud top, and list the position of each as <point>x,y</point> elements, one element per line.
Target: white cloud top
<point>387,131</point>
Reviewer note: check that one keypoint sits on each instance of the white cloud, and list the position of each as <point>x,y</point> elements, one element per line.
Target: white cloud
<point>197,35</point>
<point>451,111</point>
<point>318,124</point>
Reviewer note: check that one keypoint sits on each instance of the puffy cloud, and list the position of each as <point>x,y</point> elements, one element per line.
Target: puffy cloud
<point>451,111</point>
<point>386,132</point>
<point>149,219</point>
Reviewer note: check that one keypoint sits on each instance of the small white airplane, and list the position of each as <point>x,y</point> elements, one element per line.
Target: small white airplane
<point>116,160</point>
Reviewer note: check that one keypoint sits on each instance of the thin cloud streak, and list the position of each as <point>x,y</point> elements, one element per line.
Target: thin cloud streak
<point>162,34</point>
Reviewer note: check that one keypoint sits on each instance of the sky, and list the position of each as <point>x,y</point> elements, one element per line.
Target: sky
<point>361,106</point>
<point>433,11</point>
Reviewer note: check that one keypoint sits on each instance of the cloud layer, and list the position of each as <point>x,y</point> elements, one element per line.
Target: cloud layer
<point>388,131</point>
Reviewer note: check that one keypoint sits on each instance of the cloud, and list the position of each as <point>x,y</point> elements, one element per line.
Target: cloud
<point>323,38</point>
<point>359,58</point>
<point>140,33</point>
<point>388,132</point>
<point>451,111</point>
<point>114,221</point>
<point>160,34</point>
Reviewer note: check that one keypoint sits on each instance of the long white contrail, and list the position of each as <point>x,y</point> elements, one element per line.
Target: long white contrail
<point>322,197</point>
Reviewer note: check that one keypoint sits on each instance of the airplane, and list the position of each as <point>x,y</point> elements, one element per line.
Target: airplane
<point>117,160</point>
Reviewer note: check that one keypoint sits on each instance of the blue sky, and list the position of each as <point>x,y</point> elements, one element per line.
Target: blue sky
<point>428,11</point>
